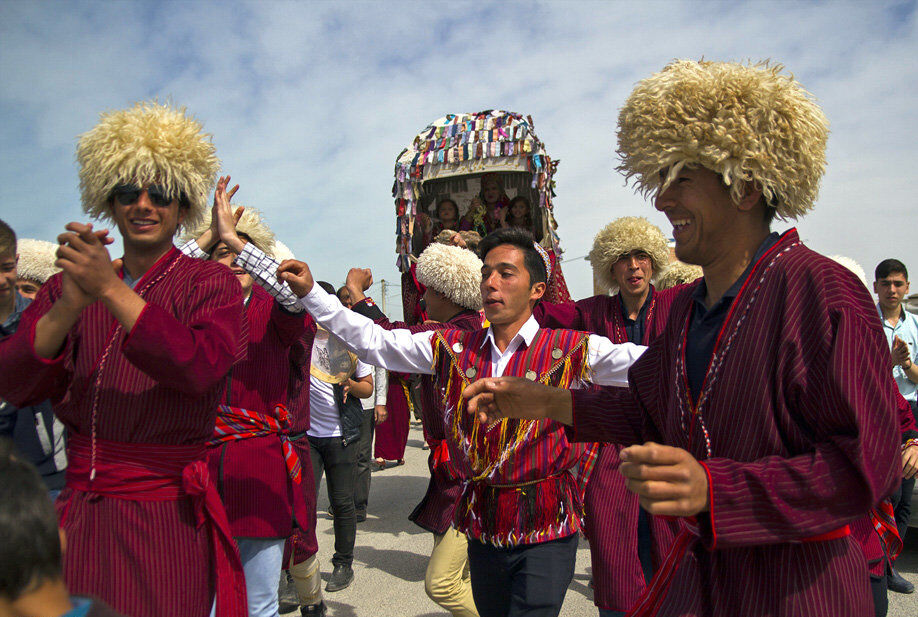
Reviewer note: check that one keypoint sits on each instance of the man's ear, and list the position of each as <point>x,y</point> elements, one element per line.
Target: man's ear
<point>752,196</point>
<point>537,291</point>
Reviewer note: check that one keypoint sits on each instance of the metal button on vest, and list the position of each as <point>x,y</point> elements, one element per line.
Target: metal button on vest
<point>470,372</point>
<point>556,353</point>
<point>531,375</point>
<point>457,347</point>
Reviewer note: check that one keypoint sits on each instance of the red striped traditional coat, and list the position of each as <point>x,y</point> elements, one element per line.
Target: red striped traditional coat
<point>260,497</point>
<point>149,394</point>
<point>611,510</point>
<point>797,433</point>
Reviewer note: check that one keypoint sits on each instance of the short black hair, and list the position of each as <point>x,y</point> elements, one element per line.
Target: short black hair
<point>30,552</point>
<point>523,240</point>
<point>7,238</point>
<point>889,266</point>
<point>328,287</point>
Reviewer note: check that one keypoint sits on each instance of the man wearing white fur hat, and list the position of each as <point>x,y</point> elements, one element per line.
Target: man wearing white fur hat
<point>771,448</point>
<point>452,298</point>
<point>35,266</point>
<point>254,455</point>
<point>135,358</point>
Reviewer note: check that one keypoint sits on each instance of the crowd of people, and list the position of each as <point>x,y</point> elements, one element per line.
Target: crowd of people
<point>732,427</point>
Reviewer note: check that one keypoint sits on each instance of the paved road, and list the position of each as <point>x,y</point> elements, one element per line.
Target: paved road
<point>391,553</point>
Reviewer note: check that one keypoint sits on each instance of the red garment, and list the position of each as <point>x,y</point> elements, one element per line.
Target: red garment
<point>793,444</point>
<point>392,435</point>
<point>261,500</point>
<point>155,473</point>
<point>611,510</point>
<point>520,487</point>
<point>158,384</point>
<point>436,510</point>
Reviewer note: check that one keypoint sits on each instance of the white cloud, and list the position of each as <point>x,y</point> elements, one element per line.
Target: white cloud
<point>310,103</point>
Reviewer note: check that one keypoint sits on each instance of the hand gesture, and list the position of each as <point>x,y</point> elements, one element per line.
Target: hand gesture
<point>910,462</point>
<point>296,274</point>
<point>380,413</point>
<point>85,260</point>
<point>359,279</point>
<point>900,352</point>
<point>224,220</point>
<point>346,388</point>
<point>668,481</point>
<point>493,398</point>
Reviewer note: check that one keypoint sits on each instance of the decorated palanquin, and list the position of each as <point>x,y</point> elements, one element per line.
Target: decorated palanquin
<point>449,160</point>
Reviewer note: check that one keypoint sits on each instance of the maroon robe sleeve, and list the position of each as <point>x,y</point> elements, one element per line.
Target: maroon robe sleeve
<point>289,326</point>
<point>849,407</point>
<point>25,377</point>
<point>191,355</point>
<point>566,316</point>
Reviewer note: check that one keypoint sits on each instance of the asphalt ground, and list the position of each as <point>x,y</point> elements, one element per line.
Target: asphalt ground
<point>391,553</point>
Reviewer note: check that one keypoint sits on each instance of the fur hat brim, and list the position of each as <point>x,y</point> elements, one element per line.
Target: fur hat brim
<point>853,266</point>
<point>36,260</point>
<point>147,144</point>
<point>621,236</point>
<point>678,273</point>
<point>453,272</point>
<point>747,123</point>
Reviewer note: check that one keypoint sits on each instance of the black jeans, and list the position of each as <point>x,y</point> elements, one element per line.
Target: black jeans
<point>364,456</point>
<point>339,463</point>
<point>528,580</point>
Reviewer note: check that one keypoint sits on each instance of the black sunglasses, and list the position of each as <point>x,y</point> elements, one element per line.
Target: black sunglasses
<point>126,194</point>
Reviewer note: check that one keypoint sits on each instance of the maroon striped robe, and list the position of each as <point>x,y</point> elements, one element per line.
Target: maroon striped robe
<point>436,510</point>
<point>610,509</point>
<point>251,474</point>
<point>797,433</point>
<point>161,385</point>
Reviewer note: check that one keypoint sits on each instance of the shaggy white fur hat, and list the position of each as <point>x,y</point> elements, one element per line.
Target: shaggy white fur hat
<point>452,271</point>
<point>250,223</point>
<point>36,260</point>
<point>282,252</point>
<point>678,273</point>
<point>623,235</point>
<point>149,143</point>
<point>853,266</point>
<point>746,122</point>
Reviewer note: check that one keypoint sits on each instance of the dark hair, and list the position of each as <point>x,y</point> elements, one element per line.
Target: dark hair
<point>340,289</point>
<point>30,552</point>
<point>326,286</point>
<point>7,238</point>
<point>442,201</point>
<point>523,240</point>
<point>889,266</point>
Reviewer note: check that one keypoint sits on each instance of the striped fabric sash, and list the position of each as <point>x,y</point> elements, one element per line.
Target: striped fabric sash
<point>236,423</point>
<point>884,521</point>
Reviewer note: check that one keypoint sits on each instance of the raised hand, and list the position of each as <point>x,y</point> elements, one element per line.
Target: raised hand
<point>668,481</point>
<point>224,218</point>
<point>493,398</point>
<point>85,260</point>
<point>357,282</point>
<point>296,274</point>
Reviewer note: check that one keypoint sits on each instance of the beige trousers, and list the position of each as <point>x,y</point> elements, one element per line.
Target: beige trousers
<point>447,580</point>
<point>307,580</point>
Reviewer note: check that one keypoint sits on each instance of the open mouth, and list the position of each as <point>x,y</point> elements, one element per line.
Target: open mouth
<point>143,224</point>
<point>680,227</point>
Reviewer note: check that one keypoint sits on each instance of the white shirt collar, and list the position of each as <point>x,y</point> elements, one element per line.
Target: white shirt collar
<point>526,334</point>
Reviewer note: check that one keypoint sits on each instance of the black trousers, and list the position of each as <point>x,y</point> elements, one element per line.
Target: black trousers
<point>338,462</point>
<point>364,456</point>
<point>528,580</point>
